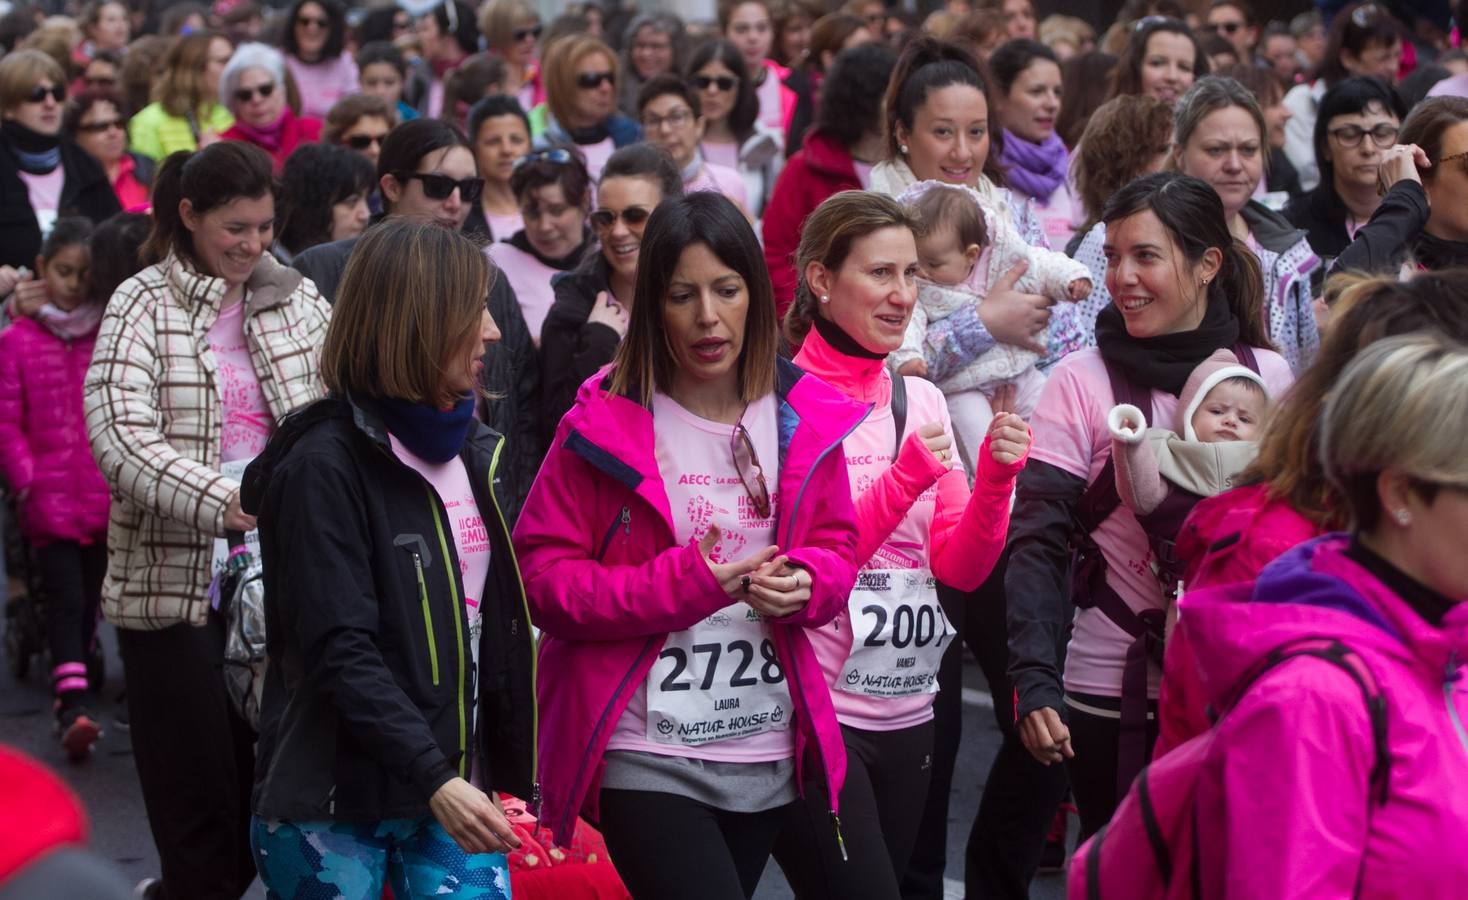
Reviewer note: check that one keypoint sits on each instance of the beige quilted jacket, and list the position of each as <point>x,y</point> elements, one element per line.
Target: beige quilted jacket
<point>156,424</point>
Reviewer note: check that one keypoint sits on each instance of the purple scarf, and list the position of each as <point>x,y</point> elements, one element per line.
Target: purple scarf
<point>1036,170</point>
<point>266,138</point>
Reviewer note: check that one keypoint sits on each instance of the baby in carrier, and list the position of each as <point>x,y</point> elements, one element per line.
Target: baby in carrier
<point>1161,474</point>
<point>964,251</point>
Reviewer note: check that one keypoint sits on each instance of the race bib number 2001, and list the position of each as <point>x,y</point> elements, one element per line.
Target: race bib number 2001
<point>717,680</point>
<point>899,633</point>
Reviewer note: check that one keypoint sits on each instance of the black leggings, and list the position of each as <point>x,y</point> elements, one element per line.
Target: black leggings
<point>1095,740</point>
<point>72,575</point>
<point>881,807</point>
<point>666,846</point>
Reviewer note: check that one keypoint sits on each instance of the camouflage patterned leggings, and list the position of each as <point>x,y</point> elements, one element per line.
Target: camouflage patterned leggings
<point>352,860</point>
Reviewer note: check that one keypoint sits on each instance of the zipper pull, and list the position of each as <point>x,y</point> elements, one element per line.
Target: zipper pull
<point>626,521</point>
<point>840,841</point>
<point>535,801</point>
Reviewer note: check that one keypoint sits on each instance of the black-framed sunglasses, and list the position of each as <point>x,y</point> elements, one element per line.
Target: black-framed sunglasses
<point>441,187</point>
<point>363,141</point>
<point>751,474</point>
<point>588,81</point>
<point>1228,28</point>
<point>634,216</point>
<point>554,155</point>
<point>38,95</point>
<point>520,34</point>
<point>1351,136</point>
<point>245,95</point>
<point>722,82</point>
<point>103,126</point>
<point>319,22</point>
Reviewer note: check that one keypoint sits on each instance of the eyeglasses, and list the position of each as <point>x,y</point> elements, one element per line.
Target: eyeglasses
<point>554,155</point>
<point>1456,156</point>
<point>245,95</point>
<point>441,187</point>
<point>102,127</point>
<point>591,80</point>
<point>675,119</point>
<point>520,34</point>
<point>1383,135</point>
<point>746,463</point>
<point>1228,28</point>
<point>56,91</point>
<point>363,141</point>
<point>604,219</point>
<point>307,21</point>
<point>722,82</point>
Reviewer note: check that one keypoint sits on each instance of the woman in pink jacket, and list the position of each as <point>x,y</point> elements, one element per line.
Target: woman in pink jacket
<point>47,462</point>
<point>918,525</point>
<point>693,517</point>
<point>1286,499</point>
<point>1307,790</point>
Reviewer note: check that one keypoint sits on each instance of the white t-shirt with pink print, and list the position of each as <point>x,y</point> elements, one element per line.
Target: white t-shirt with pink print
<point>247,420</point>
<point>716,691</point>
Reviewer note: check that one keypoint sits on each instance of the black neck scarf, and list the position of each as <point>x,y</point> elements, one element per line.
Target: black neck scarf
<point>1165,362</point>
<point>841,341</point>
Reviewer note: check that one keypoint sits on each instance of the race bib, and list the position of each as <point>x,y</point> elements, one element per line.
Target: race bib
<point>899,633</point>
<point>718,680</point>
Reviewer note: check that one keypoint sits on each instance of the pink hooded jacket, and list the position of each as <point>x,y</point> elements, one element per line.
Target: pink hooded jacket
<point>43,435</point>
<point>607,583</point>
<point>1282,803</point>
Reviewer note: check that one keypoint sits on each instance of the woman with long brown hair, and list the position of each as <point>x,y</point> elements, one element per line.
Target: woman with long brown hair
<point>185,113</point>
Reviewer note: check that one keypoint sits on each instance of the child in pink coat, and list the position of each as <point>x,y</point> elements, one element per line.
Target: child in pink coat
<point>46,460</point>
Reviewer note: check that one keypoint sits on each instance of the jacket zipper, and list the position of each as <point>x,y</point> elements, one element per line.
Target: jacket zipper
<point>624,519</point>
<point>1448,681</point>
<point>427,615</point>
<point>443,549</point>
<point>535,793</point>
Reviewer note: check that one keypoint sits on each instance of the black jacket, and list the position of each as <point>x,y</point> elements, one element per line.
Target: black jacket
<point>85,191</point>
<point>367,697</point>
<point>511,370</point>
<point>571,348</point>
<point>1322,214</point>
<point>1395,235</point>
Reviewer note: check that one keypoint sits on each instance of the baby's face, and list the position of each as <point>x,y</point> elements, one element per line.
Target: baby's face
<point>1230,412</point>
<point>943,259</point>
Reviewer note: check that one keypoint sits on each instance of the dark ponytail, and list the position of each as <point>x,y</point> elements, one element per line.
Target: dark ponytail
<point>212,177</point>
<point>1191,211</point>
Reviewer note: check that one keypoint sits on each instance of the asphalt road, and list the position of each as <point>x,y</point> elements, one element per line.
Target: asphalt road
<point>107,783</point>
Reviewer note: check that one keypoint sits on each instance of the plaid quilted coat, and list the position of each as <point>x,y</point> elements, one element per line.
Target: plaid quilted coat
<point>156,424</point>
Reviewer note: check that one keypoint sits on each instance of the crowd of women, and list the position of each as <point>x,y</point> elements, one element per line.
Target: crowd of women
<point>639,419</point>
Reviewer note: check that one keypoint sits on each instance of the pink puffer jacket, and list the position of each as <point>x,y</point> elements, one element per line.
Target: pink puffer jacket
<point>607,583</point>
<point>43,435</point>
<point>1282,805</point>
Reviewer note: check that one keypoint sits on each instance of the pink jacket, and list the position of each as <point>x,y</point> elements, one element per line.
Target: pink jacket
<point>607,584</point>
<point>1283,804</point>
<point>1227,539</point>
<point>43,435</point>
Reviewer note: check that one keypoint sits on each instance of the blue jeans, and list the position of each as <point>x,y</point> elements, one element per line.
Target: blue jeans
<point>352,860</point>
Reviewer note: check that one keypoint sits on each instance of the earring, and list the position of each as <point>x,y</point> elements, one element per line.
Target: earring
<point>903,148</point>
<point>1404,518</point>
<point>825,298</point>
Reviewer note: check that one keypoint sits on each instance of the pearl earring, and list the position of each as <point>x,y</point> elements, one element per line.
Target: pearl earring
<point>1404,518</point>
<point>825,298</point>
<point>903,148</point>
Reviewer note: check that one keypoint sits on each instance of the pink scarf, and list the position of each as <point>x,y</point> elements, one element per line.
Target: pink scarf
<point>73,325</point>
<point>267,138</point>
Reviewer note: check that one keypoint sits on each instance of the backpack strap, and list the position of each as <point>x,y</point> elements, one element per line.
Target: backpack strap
<point>899,410</point>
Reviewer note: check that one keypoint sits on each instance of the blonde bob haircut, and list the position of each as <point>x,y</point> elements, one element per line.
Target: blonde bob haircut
<point>498,18</point>
<point>411,301</point>
<point>1399,405</point>
<point>561,60</point>
<point>20,73</point>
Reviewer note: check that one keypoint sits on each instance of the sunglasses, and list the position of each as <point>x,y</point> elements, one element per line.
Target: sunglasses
<point>441,187</point>
<point>1225,27</point>
<point>99,81</point>
<point>245,95</point>
<point>363,141</point>
<point>307,21</point>
<point>555,155</point>
<point>520,34</point>
<point>57,92</point>
<point>591,80</point>
<point>101,127</point>
<point>1455,157</point>
<point>722,82</point>
<point>751,474</point>
<point>604,219</point>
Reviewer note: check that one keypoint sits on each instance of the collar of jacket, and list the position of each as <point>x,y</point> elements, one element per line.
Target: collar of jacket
<point>614,434</point>
<point>270,284</point>
<point>1272,230</point>
<point>592,274</point>
<point>622,130</point>
<point>825,153</point>
<point>367,419</point>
